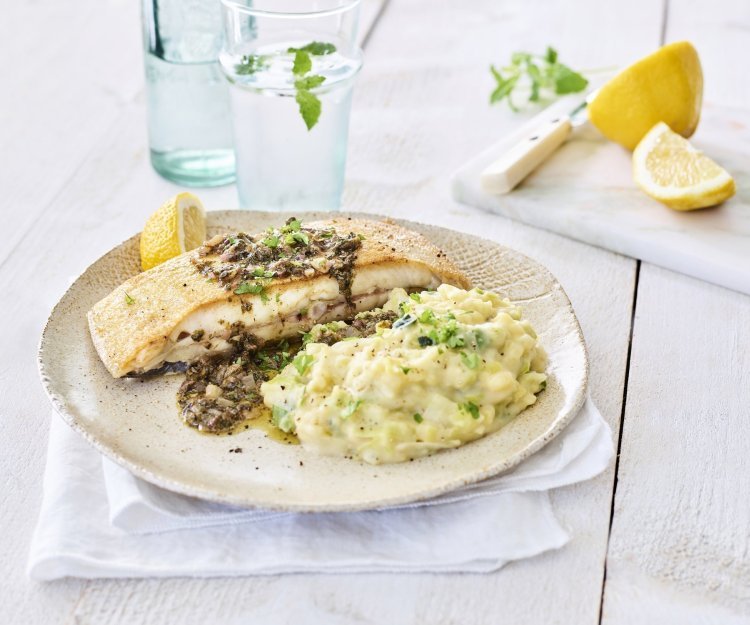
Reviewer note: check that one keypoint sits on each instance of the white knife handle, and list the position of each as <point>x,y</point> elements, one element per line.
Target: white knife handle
<point>524,157</point>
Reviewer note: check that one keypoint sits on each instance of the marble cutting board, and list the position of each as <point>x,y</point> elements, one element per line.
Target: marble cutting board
<point>586,191</point>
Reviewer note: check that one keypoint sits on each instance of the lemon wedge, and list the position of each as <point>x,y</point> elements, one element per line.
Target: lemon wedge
<point>666,86</point>
<point>177,226</point>
<point>672,171</point>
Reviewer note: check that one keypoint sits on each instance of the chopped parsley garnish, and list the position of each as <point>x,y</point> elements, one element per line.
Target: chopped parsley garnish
<point>425,341</point>
<point>302,363</point>
<point>405,370</point>
<point>259,272</point>
<point>472,409</point>
<point>249,287</point>
<point>129,300</point>
<point>427,317</point>
<point>470,360</point>
<point>418,417</point>
<point>293,225</point>
<point>351,408</point>
<point>271,241</point>
<point>297,237</point>
<point>416,297</point>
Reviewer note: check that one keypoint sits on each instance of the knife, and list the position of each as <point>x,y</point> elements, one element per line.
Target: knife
<point>504,174</point>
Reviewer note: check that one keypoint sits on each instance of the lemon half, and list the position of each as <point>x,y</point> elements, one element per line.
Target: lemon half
<point>666,86</point>
<point>672,171</point>
<point>177,226</point>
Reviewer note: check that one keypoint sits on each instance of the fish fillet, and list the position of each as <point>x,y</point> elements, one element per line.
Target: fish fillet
<point>174,314</point>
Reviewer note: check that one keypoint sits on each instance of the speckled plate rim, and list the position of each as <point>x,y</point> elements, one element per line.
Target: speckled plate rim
<point>67,413</point>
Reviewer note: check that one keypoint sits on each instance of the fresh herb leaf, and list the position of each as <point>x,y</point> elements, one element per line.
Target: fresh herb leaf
<point>405,370</point>
<point>259,272</point>
<point>249,287</point>
<point>271,241</point>
<point>545,76</point>
<point>302,63</point>
<point>293,225</point>
<point>568,81</point>
<point>472,409</point>
<point>309,82</point>
<point>418,417</point>
<point>319,48</point>
<point>309,107</point>
<point>297,237</point>
<point>309,104</point>
<point>129,300</point>
<point>351,408</point>
<point>504,87</point>
<point>425,341</point>
<point>427,317</point>
<point>470,360</point>
<point>302,363</point>
<point>416,297</point>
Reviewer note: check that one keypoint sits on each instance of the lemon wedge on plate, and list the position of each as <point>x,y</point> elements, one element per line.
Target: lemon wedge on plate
<point>672,171</point>
<point>666,86</point>
<point>177,226</point>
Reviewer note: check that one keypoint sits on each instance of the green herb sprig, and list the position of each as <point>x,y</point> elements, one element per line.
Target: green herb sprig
<point>309,104</point>
<point>545,73</point>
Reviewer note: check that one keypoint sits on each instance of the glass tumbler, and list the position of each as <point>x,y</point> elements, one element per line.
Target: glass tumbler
<point>189,126</point>
<point>291,66</point>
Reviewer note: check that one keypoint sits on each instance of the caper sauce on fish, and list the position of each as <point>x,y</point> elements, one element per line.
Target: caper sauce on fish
<point>245,262</point>
<point>221,393</point>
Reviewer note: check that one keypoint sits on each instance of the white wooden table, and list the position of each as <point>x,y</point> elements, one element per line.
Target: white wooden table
<point>661,537</point>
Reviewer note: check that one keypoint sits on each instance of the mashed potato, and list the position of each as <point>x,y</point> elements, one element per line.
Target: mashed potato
<point>455,366</point>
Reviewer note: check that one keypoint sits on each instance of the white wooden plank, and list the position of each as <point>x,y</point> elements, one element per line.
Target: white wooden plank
<point>681,529</point>
<point>420,110</point>
<point>682,518</point>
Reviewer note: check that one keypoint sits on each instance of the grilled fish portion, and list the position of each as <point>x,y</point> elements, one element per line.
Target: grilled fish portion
<point>242,288</point>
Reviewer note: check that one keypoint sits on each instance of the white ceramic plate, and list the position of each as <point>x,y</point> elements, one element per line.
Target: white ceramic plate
<point>137,423</point>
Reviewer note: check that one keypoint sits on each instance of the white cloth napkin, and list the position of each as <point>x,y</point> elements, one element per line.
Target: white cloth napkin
<point>97,520</point>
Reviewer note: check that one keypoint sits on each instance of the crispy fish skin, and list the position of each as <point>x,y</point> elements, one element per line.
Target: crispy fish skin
<point>137,320</point>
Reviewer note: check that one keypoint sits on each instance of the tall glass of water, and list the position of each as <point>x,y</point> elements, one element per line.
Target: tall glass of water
<point>189,126</point>
<point>291,66</point>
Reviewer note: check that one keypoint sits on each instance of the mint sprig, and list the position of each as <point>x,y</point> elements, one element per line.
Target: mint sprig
<point>545,74</point>
<point>309,104</point>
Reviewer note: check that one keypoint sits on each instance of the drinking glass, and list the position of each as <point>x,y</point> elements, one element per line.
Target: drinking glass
<point>291,66</point>
<point>189,126</point>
